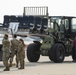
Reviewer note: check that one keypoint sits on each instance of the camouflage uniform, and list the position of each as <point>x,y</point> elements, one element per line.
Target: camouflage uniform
<point>21,54</point>
<point>14,48</point>
<point>6,53</point>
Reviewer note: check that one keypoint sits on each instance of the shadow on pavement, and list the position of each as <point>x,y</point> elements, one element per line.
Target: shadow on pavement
<point>31,64</point>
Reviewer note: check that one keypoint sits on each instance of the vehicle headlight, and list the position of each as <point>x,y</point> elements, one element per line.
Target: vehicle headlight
<point>41,41</point>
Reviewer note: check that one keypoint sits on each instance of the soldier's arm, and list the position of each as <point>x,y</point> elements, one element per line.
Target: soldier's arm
<point>19,48</point>
<point>2,40</point>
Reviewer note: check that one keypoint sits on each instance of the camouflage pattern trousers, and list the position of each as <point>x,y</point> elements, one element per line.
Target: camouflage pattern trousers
<point>13,53</point>
<point>5,59</point>
<point>21,60</point>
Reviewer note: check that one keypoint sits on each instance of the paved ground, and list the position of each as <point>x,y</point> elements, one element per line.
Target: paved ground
<point>43,67</point>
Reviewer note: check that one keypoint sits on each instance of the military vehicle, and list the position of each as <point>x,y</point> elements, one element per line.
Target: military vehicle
<point>56,32</point>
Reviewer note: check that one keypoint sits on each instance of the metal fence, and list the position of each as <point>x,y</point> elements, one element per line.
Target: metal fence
<point>36,11</point>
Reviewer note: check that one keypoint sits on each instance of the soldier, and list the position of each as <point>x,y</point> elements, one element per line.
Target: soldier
<point>6,52</point>
<point>14,48</point>
<point>21,53</point>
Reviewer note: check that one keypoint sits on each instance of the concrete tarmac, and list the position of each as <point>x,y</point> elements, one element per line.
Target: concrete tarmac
<point>43,67</point>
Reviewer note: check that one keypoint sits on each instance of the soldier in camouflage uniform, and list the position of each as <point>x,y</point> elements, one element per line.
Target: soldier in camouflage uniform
<point>21,53</point>
<point>6,52</point>
<point>14,48</point>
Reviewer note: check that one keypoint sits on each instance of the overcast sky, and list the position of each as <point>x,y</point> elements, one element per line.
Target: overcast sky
<point>55,7</point>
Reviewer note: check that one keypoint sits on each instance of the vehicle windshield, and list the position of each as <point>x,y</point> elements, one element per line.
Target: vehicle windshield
<point>73,25</point>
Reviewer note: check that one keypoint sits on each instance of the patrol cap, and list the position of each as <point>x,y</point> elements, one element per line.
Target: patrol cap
<point>14,35</point>
<point>5,36</point>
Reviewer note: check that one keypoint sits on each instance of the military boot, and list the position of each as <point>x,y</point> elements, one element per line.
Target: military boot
<point>21,65</point>
<point>7,69</point>
<point>21,68</point>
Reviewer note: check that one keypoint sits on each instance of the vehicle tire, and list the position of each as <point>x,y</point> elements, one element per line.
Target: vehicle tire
<point>57,53</point>
<point>73,53</point>
<point>1,53</point>
<point>33,54</point>
<point>51,53</point>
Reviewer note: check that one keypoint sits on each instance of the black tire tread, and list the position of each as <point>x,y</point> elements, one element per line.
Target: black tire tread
<point>31,55</point>
<point>53,54</point>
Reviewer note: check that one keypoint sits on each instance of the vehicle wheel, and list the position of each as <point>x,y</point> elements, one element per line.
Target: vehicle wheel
<point>33,52</point>
<point>73,53</point>
<point>57,53</point>
<point>1,53</point>
<point>51,53</point>
<point>1,47</point>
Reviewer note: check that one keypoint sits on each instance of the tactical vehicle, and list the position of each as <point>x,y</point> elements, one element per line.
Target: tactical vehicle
<point>56,32</point>
<point>56,42</point>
